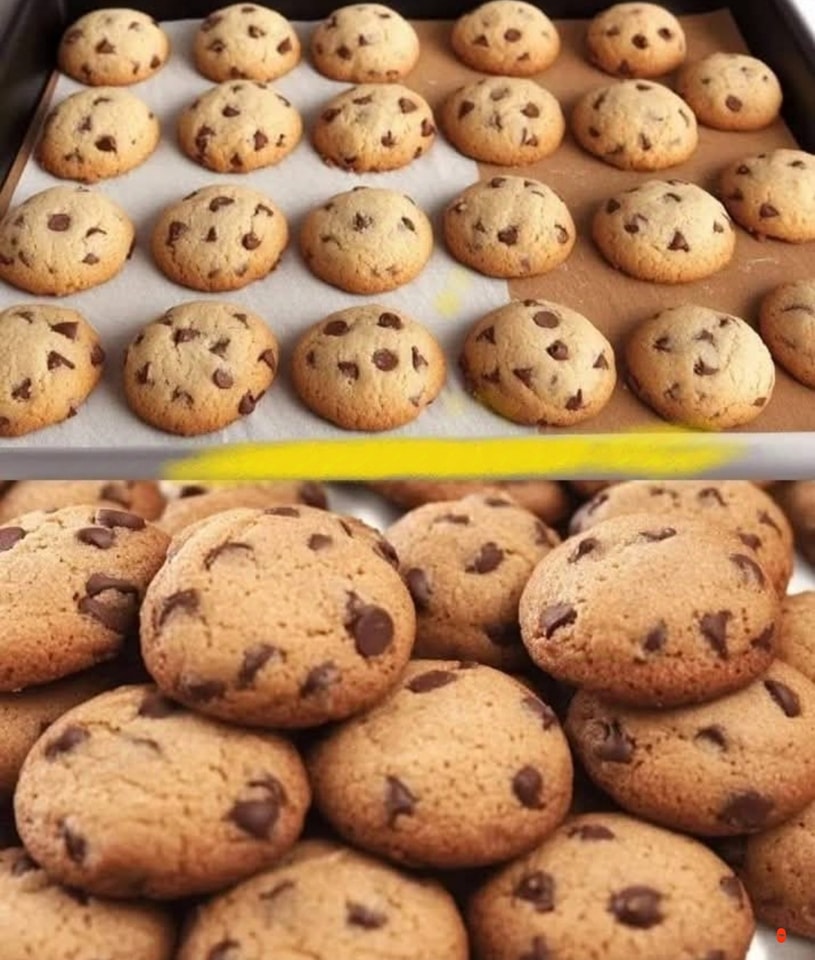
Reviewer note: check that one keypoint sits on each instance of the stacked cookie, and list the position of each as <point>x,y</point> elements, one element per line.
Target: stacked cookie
<point>295,657</point>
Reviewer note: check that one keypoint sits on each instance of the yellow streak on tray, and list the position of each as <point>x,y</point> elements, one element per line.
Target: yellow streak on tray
<point>666,453</point>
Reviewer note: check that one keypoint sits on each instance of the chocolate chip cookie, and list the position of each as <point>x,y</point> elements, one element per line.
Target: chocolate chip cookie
<point>131,795</point>
<point>39,918</point>
<point>740,764</point>
<point>773,194</point>
<point>374,127</point>
<point>368,368</point>
<point>219,238</point>
<point>737,506</point>
<point>367,240</point>
<point>27,714</point>
<point>466,563</point>
<point>409,781</point>
<point>731,91</point>
<point>639,890</point>
<point>199,367</point>
<point>344,621</point>
<point>651,612</point>
<point>665,231</point>
<point>779,874</point>
<point>190,502</point>
<point>365,43</point>
<point>547,499</point>
<point>636,40</point>
<point>64,240</point>
<point>97,134</point>
<point>700,368</point>
<point>787,324</point>
<point>635,125</point>
<point>509,227</point>
<point>114,47</point>
<point>245,41</point>
<point>326,900</point>
<point>50,362</point>
<point>508,121</point>
<point>76,576</point>
<point>796,632</point>
<point>141,497</point>
<point>239,126</point>
<point>537,362</point>
<point>506,37</point>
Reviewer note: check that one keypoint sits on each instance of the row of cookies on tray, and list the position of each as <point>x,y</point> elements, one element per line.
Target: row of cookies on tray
<point>198,763</point>
<point>203,365</point>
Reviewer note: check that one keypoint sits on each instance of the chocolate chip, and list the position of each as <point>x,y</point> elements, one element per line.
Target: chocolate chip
<point>489,558</point>
<point>99,537</point>
<point>616,745</point>
<point>527,785</point>
<point>106,144</point>
<point>155,706</point>
<point>512,35</point>
<point>390,321</point>
<point>556,616</point>
<point>320,678</point>
<point>558,350</point>
<point>385,360</point>
<point>766,211</point>
<point>637,906</point>
<point>657,536</point>
<point>750,571</point>
<point>70,737</point>
<point>217,203</point>
<point>503,634</point>
<point>247,404</point>
<point>250,241</point>
<point>537,888</point>
<point>750,540</point>
<point>419,588</point>
<point>9,536</point>
<point>612,206</point>
<point>655,638</point>
<point>357,915</point>
<point>406,105</point>
<point>284,46</point>
<point>481,40</point>
<point>531,111</point>
<point>187,601</point>
<point>714,630</point>
<point>713,734</point>
<point>591,831</point>
<point>747,811</point>
<point>786,698</point>
<point>119,518</point>
<point>254,659</point>
<point>430,680</point>
<point>362,222</point>
<point>319,541</point>
<point>399,801</point>
<point>222,379</point>
<point>583,548</point>
<point>258,817</point>
<point>59,222</point>
<point>465,107</point>
<point>546,319</point>
<point>764,640</point>
<point>105,46</point>
<point>371,628</point>
<point>678,242</point>
<point>76,846</point>
<point>57,360</point>
<point>508,236</point>
<point>541,710</point>
<point>733,103</point>
<point>282,512</point>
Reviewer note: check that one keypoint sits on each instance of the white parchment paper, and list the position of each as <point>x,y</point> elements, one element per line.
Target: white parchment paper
<point>446,297</point>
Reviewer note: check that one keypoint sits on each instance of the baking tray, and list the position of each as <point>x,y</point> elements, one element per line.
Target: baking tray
<point>772,29</point>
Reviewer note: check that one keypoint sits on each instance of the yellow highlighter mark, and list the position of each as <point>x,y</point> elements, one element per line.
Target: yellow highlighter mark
<point>448,302</point>
<point>668,453</point>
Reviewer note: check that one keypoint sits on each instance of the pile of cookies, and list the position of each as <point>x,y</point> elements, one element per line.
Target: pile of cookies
<point>237,725</point>
<point>205,364</point>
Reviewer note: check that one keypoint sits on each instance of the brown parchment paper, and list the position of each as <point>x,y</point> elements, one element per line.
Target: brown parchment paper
<point>614,302</point>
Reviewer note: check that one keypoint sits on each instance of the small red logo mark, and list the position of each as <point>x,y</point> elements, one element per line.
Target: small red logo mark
<point>780,934</point>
